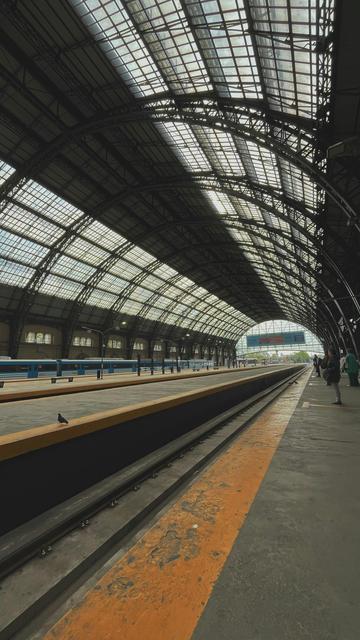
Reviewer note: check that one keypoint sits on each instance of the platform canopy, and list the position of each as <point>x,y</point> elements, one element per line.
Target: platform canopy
<point>162,159</point>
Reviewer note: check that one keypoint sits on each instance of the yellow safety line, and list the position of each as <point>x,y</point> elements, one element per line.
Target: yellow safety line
<point>159,589</point>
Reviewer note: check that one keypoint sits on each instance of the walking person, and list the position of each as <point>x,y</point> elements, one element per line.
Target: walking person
<point>332,372</point>
<point>351,367</point>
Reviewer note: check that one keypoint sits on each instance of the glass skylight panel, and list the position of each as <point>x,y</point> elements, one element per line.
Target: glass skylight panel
<point>247,210</point>
<point>60,287</point>
<point>298,185</point>
<point>160,301</point>
<point>173,292</point>
<point>68,267</point>
<point>154,314</point>
<point>141,294</point>
<point>139,257</point>
<point>165,31</point>
<point>100,298</point>
<point>131,307</point>
<point>86,251</point>
<point>102,235</point>
<point>125,269</point>
<point>170,318</point>
<point>111,283</point>
<point>274,221</point>
<point>240,236</point>
<point>20,249</point>
<point>220,202</point>
<point>183,141</point>
<point>284,35</point>
<point>164,271</point>
<point>111,26</point>
<point>5,172</point>
<point>261,164</point>
<point>15,274</point>
<point>189,300</point>
<point>223,33</point>
<point>183,309</point>
<point>48,204</point>
<point>184,283</point>
<point>30,225</point>
<point>220,150</point>
<point>152,282</point>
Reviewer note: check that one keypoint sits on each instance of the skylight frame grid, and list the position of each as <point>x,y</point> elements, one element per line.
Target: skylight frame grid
<point>19,249</point>
<point>223,35</point>
<point>68,267</point>
<point>138,256</point>
<point>171,43</point>
<point>6,172</point>
<point>81,249</point>
<point>47,203</point>
<point>125,269</point>
<point>54,285</point>
<point>15,274</point>
<point>112,283</point>
<point>185,145</point>
<point>30,225</point>
<point>97,233</point>
<point>298,185</point>
<point>220,150</point>
<point>288,61</point>
<point>101,298</point>
<point>122,47</point>
<point>261,163</point>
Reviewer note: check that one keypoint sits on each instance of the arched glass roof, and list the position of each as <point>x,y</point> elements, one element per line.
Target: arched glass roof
<point>37,220</point>
<point>165,161</point>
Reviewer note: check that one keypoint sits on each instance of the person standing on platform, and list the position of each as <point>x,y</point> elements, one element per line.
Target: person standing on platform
<point>332,372</point>
<point>315,361</point>
<point>352,369</point>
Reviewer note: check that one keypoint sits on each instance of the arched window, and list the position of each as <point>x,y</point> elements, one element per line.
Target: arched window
<point>114,343</point>
<point>82,341</point>
<point>38,337</point>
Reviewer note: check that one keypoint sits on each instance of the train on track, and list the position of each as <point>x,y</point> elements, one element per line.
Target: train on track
<point>15,368</point>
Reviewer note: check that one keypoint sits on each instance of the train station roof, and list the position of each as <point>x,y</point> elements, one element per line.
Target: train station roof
<point>165,160</point>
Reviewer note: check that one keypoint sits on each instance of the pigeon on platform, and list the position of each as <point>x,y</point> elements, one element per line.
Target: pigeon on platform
<point>62,420</point>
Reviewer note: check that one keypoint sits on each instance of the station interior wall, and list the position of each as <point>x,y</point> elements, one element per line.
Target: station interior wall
<point>53,350</point>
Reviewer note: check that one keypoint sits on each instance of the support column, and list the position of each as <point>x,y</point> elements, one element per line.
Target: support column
<point>129,343</point>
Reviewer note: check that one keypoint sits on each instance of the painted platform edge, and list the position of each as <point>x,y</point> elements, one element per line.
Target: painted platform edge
<point>21,442</point>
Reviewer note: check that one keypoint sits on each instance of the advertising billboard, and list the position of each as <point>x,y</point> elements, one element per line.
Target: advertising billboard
<point>275,339</point>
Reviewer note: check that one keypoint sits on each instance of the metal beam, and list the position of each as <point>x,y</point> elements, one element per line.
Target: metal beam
<point>199,112</point>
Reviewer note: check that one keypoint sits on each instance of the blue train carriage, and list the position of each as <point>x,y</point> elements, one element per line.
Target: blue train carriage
<point>27,368</point>
<point>91,365</point>
<point>18,368</point>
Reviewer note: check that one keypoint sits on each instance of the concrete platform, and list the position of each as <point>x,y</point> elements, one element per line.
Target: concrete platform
<point>33,384</point>
<point>41,388</point>
<point>293,571</point>
<point>263,546</point>
<point>26,414</point>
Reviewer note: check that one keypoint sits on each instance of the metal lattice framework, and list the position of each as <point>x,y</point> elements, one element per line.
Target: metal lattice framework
<point>164,160</point>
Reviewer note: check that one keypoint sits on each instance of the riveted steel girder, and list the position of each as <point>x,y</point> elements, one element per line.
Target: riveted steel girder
<point>219,115</point>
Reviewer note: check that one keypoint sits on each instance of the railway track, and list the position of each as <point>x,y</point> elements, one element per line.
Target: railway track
<point>52,551</point>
